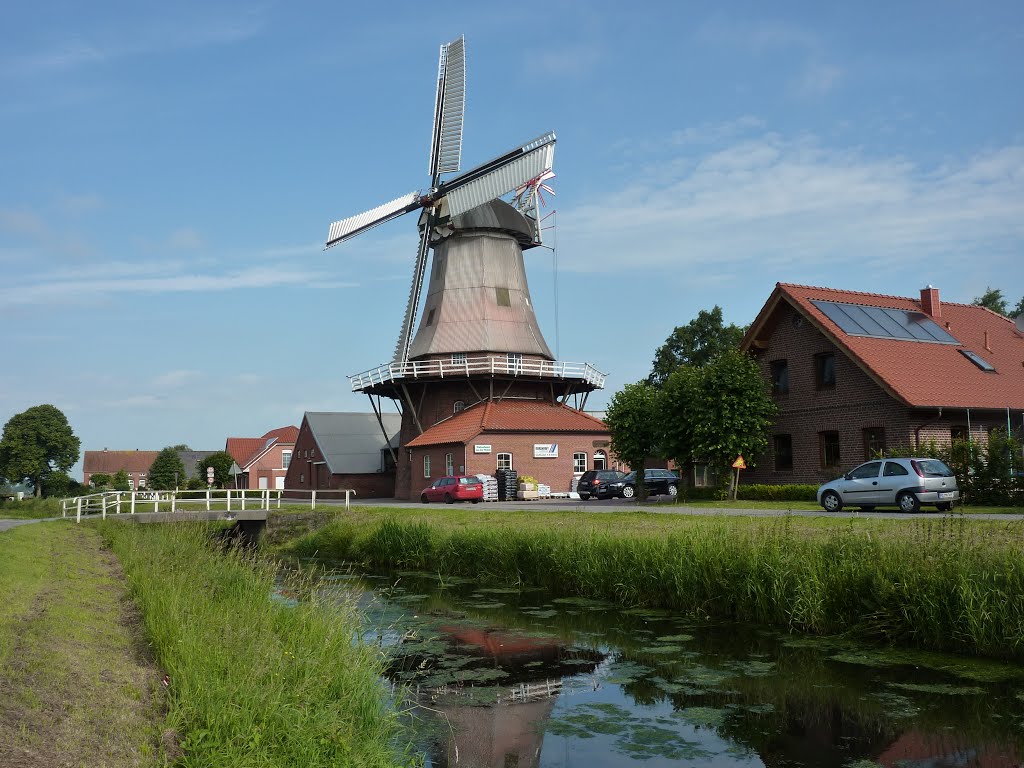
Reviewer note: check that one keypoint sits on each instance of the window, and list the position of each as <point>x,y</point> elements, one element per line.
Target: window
<point>502,297</point>
<point>579,462</point>
<point>978,360</point>
<point>958,433</point>
<point>504,461</point>
<point>458,358</point>
<point>449,464</point>
<point>302,477</point>
<point>783,453</point>
<point>829,449</point>
<point>600,460</point>
<point>866,471</point>
<point>459,406</point>
<point>780,377</point>
<point>426,465</point>
<point>825,370</point>
<point>286,459</point>
<point>430,317</point>
<point>892,469</point>
<point>515,362</point>
<point>874,442</point>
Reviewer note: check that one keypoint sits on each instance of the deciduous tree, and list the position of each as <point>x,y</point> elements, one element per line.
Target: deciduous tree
<point>632,418</point>
<point>167,471</point>
<point>99,480</point>
<point>36,444</point>
<point>120,481</point>
<point>993,299</point>
<point>221,462</point>
<point>697,343</point>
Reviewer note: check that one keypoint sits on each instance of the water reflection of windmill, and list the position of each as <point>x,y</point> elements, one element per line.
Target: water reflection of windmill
<point>478,331</point>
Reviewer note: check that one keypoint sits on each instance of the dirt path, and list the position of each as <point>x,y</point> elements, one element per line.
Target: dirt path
<point>76,685</point>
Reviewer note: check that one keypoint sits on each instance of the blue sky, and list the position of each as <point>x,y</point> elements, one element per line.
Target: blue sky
<point>168,173</point>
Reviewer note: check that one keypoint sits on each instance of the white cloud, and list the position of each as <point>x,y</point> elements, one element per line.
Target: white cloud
<point>794,201</point>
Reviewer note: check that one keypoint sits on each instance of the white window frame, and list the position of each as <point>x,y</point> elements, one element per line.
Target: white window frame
<point>458,406</point>
<point>458,358</point>
<point>515,362</point>
<point>602,457</point>
<point>286,459</point>
<point>504,457</point>
<point>426,465</point>
<point>449,463</point>
<point>579,459</point>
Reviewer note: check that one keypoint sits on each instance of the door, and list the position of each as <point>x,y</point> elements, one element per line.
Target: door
<point>264,484</point>
<point>861,485</point>
<point>279,483</point>
<point>894,479</point>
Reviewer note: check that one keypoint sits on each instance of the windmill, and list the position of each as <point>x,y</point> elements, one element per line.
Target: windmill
<point>524,168</point>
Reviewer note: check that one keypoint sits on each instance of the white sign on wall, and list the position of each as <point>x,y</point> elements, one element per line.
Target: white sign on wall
<point>481,449</point>
<point>545,450</point>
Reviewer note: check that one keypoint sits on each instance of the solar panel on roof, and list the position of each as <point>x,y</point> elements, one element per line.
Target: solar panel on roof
<point>884,322</point>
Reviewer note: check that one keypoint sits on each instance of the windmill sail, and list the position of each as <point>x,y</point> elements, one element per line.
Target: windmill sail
<point>499,176</point>
<point>449,109</point>
<point>353,225</point>
<point>405,337</point>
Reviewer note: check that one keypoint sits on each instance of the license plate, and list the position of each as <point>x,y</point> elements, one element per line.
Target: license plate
<point>946,495</point>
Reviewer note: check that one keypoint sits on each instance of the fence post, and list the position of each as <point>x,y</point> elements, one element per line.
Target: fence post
<point>229,501</point>
<point>207,499</point>
<point>119,502</point>
<point>312,500</point>
<point>104,499</point>
<point>174,501</point>
<point>78,514</point>
<point>133,501</point>
<point>243,500</point>
<point>279,495</point>
<point>348,492</point>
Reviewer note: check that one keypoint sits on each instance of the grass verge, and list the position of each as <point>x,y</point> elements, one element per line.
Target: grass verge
<point>75,685</point>
<point>948,584</point>
<point>253,681</point>
<point>30,509</point>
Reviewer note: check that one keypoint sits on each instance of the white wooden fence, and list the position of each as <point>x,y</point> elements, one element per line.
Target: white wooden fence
<point>228,500</point>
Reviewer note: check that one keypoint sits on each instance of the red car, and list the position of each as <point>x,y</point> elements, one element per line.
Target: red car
<point>454,488</point>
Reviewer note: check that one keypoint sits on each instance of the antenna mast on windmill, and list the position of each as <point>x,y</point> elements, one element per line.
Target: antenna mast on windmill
<point>478,338</point>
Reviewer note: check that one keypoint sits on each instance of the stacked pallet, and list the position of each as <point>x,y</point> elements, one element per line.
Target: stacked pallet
<point>490,484</point>
<point>508,484</point>
<point>543,491</point>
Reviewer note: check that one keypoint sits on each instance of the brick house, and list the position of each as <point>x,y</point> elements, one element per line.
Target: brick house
<point>345,450</point>
<point>549,441</point>
<point>135,463</point>
<point>856,373</point>
<point>263,461</point>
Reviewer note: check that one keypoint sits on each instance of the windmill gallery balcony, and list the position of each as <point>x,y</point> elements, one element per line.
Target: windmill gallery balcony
<point>496,366</point>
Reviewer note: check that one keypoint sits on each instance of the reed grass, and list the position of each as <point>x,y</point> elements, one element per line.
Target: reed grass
<point>254,681</point>
<point>945,584</point>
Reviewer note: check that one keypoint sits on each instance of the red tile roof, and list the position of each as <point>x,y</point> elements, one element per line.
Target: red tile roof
<point>920,374</point>
<point>509,416</point>
<point>287,434</point>
<point>110,462</point>
<point>243,449</point>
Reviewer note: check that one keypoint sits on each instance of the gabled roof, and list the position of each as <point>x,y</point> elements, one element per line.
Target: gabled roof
<point>284,435</point>
<point>190,459</point>
<point>110,462</point>
<point>918,373</point>
<point>350,443</point>
<point>246,450</point>
<point>508,416</point>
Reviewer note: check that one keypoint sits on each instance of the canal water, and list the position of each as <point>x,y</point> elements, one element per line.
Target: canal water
<point>516,678</point>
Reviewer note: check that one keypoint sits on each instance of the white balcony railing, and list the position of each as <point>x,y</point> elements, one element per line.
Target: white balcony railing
<point>475,366</point>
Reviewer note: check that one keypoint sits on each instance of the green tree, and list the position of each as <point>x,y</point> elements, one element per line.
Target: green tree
<point>36,444</point>
<point>120,481</point>
<point>1019,309</point>
<point>993,299</point>
<point>167,471</point>
<point>221,462</point>
<point>99,480</point>
<point>717,413</point>
<point>632,418</point>
<point>697,343</point>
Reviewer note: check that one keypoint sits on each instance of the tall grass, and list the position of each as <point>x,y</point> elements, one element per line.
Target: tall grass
<point>253,681</point>
<point>946,584</point>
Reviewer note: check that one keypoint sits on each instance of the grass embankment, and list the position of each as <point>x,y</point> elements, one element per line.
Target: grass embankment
<point>949,584</point>
<point>75,687</point>
<point>30,509</point>
<point>253,682</point>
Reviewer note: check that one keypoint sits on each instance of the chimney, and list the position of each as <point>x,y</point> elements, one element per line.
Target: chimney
<point>930,301</point>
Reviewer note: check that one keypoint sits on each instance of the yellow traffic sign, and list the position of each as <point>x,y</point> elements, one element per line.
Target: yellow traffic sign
<point>739,463</point>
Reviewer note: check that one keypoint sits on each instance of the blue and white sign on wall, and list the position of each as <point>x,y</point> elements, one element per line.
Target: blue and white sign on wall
<point>545,450</point>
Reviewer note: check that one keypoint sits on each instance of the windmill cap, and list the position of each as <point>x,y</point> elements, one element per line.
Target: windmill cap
<point>499,215</point>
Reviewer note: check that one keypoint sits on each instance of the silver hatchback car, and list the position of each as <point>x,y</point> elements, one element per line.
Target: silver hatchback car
<point>907,483</point>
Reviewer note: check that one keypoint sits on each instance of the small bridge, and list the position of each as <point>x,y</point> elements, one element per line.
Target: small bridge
<point>173,506</point>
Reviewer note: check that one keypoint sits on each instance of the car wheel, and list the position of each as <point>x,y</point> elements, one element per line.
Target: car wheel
<point>831,502</point>
<point>628,492</point>
<point>584,496</point>
<point>448,498</point>
<point>944,506</point>
<point>868,508</point>
<point>908,502</point>
<point>424,499</point>
<point>673,491</point>
<point>477,501</point>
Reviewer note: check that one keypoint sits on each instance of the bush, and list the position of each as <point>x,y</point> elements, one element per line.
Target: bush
<point>777,492</point>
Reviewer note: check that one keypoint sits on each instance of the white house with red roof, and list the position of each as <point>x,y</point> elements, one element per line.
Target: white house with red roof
<point>855,374</point>
<point>263,461</point>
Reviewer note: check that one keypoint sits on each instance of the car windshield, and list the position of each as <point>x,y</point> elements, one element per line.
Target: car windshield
<point>629,478</point>
<point>934,468</point>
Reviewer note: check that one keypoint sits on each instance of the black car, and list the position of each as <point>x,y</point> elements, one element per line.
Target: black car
<point>596,483</point>
<point>659,482</point>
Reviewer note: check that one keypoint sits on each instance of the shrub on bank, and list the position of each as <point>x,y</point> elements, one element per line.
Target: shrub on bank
<point>947,586</point>
<point>253,681</point>
<point>752,493</point>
